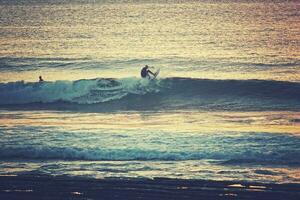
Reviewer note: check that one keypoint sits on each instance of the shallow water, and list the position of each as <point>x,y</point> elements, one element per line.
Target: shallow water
<point>258,146</point>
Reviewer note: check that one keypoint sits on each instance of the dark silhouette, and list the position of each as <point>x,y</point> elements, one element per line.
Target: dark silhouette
<point>41,79</point>
<point>145,72</point>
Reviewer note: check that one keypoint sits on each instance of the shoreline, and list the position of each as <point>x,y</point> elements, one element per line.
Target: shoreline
<point>62,187</point>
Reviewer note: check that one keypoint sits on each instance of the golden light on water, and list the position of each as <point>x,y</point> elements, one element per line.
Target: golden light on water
<point>134,71</point>
<point>185,121</point>
<point>231,44</point>
<point>194,40</point>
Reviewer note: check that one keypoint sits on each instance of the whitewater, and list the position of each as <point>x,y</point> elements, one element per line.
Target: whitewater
<point>168,93</point>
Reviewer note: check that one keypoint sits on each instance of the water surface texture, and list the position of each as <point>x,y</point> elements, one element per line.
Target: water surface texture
<point>225,106</point>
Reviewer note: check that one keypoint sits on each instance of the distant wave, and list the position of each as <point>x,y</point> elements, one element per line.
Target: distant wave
<point>140,94</point>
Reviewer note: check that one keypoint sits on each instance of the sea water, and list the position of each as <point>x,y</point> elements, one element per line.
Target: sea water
<point>226,105</point>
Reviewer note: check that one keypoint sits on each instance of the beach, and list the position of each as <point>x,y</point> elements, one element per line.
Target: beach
<point>43,187</point>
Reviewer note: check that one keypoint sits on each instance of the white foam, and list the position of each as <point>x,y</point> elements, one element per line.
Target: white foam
<point>81,91</point>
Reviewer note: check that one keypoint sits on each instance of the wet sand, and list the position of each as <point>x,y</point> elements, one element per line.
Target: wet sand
<point>44,187</point>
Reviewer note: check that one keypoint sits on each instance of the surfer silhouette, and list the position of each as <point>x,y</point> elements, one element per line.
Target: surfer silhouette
<point>41,79</point>
<point>145,72</point>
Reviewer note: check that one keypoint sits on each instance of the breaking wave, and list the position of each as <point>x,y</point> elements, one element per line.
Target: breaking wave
<point>168,93</point>
<point>96,154</point>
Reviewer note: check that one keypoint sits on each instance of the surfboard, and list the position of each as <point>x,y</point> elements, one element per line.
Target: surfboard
<point>156,74</point>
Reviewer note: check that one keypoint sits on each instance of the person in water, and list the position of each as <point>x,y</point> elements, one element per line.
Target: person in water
<point>145,72</point>
<point>41,79</point>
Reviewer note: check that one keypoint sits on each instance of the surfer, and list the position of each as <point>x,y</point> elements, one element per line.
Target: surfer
<point>41,79</point>
<point>145,72</point>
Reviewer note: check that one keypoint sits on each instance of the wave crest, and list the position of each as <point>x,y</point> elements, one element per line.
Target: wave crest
<point>97,154</point>
<point>168,93</point>
<point>81,91</point>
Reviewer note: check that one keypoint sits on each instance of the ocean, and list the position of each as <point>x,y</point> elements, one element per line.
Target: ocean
<point>225,106</point>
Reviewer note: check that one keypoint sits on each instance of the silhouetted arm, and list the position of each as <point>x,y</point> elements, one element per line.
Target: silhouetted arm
<point>151,72</point>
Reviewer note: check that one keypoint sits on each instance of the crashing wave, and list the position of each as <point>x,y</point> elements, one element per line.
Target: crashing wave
<point>169,93</point>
